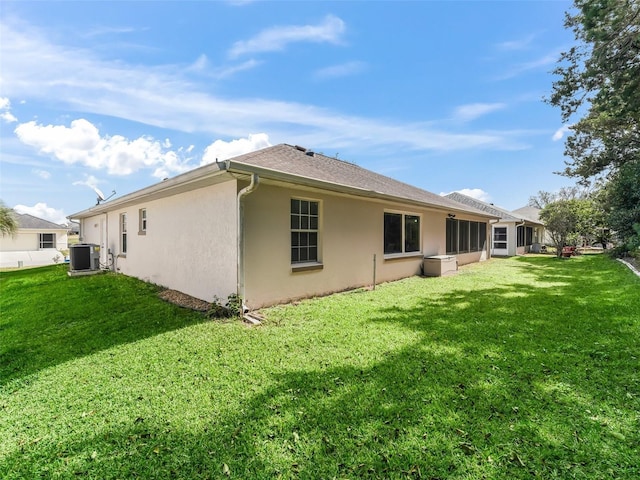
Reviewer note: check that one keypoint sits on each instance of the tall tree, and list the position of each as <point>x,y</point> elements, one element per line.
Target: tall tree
<point>570,221</point>
<point>621,197</point>
<point>8,222</point>
<point>600,82</point>
<point>542,199</point>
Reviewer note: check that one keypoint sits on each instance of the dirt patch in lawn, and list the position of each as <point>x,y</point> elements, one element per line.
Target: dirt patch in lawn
<point>184,300</point>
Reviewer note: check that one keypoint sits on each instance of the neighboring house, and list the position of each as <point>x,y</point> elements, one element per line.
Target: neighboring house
<point>534,214</point>
<point>513,234</point>
<point>74,228</point>
<point>276,225</point>
<point>36,242</point>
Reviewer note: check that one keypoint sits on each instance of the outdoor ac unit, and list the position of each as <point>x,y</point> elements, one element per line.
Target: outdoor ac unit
<point>84,256</point>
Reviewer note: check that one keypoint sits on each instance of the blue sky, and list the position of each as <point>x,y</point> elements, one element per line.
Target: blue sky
<point>118,95</point>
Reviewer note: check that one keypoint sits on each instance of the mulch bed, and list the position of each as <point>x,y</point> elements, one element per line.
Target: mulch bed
<point>184,300</point>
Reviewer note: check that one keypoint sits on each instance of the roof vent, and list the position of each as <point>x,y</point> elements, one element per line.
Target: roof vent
<point>311,154</point>
<point>302,149</point>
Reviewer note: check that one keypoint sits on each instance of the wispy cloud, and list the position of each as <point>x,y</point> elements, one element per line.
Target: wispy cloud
<point>467,113</point>
<point>341,70</point>
<point>44,174</point>
<point>521,43</point>
<point>36,69</point>
<point>100,31</point>
<point>277,38</point>
<point>518,69</point>
<point>240,3</point>
<point>89,181</point>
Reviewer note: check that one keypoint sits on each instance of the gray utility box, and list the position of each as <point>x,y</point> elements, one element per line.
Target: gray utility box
<point>440,265</point>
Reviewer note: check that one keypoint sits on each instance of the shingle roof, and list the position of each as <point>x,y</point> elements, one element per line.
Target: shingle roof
<point>30,222</point>
<point>505,215</point>
<point>297,166</point>
<point>530,212</point>
<point>300,162</point>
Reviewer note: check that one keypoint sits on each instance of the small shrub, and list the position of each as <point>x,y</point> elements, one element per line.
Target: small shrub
<point>234,304</point>
<point>232,307</point>
<point>619,251</point>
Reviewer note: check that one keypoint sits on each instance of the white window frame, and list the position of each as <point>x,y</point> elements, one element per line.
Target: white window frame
<point>500,242</point>
<point>142,221</point>
<point>403,214</point>
<point>299,229</point>
<point>123,233</point>
<point>42,242</point>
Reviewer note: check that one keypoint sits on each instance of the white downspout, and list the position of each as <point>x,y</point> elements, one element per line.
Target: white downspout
<point>241,194</point>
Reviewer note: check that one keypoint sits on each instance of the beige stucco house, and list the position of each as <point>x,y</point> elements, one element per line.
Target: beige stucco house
<point>514,233</point>
<point>278,224</point>
<point>36,242</point>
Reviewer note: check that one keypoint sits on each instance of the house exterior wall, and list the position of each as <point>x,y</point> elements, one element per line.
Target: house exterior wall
<point>29,240</point>
<point>351,232</point>
<point>23,249</point>
<point>189,243</point>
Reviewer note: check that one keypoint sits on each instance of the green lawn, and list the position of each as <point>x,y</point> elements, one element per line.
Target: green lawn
<point>515,368</point>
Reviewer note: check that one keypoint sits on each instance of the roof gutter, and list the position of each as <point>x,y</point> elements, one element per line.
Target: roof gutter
<point>197,176</point>
<point>255,180</point>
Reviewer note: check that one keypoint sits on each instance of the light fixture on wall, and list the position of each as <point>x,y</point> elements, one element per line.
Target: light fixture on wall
<point>451,215</point>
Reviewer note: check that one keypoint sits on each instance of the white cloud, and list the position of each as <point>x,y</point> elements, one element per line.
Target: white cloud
<point>536,64</point>
<point>277,38</point>
<point>42,210</point>
<point>341,70</point>
<point>8,117</point>
<point>559,134</point>
<point>517,44</point>
<point>5,114</point>
<point>466,113</point>
<point>41,173</point>
<point>81,143</point>
<point>476,193</point>
<point>230,70</point>
<point>201,63</point>
<point>37,69</point>
<point>89,181</point>
<point>221,150</point>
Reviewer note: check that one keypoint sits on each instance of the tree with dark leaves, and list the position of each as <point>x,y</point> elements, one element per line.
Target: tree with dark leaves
<point>600,82</point>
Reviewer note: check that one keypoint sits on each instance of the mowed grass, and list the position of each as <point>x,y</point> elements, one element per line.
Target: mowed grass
<point>515,368</point>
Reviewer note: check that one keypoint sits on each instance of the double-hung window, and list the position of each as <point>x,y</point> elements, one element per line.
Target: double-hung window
<point>305,220</point>
<point>123,233</point>
<point>401,233</point>
<point>142,221</point>
<point>47,240</point>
